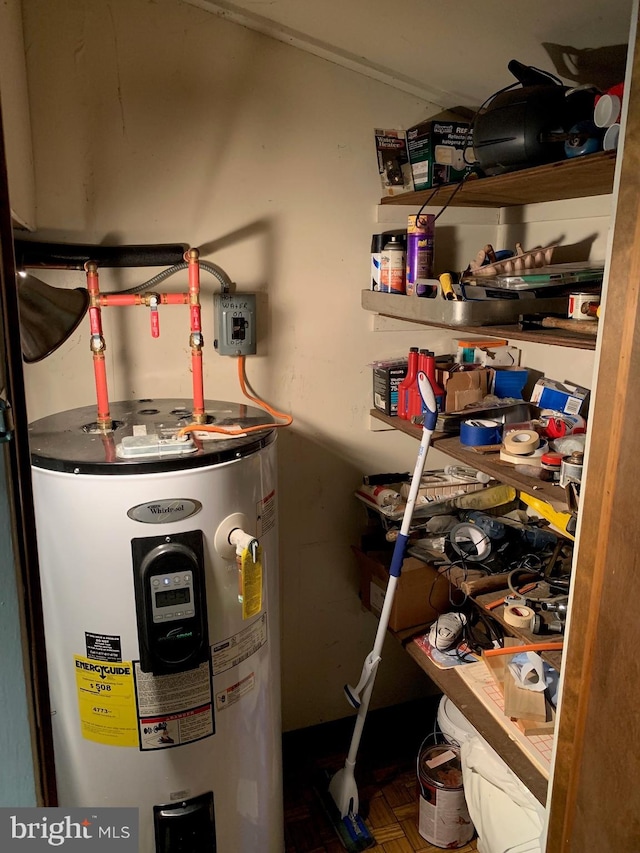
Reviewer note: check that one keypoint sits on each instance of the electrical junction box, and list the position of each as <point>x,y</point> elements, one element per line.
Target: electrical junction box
<point>235,323</point>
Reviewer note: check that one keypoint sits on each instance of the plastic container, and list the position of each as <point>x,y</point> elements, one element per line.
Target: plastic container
<point>443,816</point>
<point>420,233</point>
<point>407,383</point>
<point>414,400</point>
<point>438,390</point>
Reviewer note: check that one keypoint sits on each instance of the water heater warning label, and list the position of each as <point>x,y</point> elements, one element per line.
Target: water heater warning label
<point>231,695</point>
<point>103,647</point>
<point>232,651</point>
<point>176,729</point>
<point>106,702</point>
<point>266,520</point>
<point>174,709</point>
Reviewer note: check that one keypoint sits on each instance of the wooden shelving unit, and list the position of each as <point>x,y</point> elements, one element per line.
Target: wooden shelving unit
<point>569,179</point>
<point>488,462</point>
<point>578,177</point>
<point>449,681</point>
<point>503,471</point>
<point>416,310</point>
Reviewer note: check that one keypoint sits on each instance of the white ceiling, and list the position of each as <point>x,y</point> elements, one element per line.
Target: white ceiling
<point>450,52</point>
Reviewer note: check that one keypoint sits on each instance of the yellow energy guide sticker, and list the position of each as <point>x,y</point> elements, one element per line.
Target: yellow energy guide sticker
<point>251,573</point>
<point>106,701</point>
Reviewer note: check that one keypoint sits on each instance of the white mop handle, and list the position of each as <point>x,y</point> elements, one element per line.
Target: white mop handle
<point>430,418</point>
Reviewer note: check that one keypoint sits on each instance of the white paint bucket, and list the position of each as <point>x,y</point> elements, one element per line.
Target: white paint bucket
<point>443,817</point>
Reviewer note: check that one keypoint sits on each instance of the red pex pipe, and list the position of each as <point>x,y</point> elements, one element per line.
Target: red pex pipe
<point>124,299</point>
<point>198,381</point>
<point>196,334</point>
<point>174,298</point>
<point>98,346</point>
<point>102,395</point>
<point>95,320</point>
<point>117,299</point>
<point>194,290</point>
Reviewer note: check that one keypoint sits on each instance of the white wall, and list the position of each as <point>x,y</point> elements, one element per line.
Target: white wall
<point>159,122</point>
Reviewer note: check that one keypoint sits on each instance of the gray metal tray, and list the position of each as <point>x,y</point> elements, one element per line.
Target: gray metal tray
<point>487,312</point>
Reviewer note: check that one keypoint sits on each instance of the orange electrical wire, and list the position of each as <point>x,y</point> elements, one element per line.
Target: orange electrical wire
<point>526,647</point>
<point>287,420</point>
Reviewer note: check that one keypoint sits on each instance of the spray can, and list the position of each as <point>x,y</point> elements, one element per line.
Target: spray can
<point>420,233</point>
<point>378,242</point>
<point>392,266</point>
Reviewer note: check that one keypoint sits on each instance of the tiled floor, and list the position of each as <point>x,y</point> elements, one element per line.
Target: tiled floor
<point>385,772</point>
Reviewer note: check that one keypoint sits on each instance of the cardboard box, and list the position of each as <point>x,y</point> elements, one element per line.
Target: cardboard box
<point>422,594</point>
<point>436,150</point>
<point>561,397</point>
<point>465,387</point>
<point>393,162</point>
<point>386,381</point>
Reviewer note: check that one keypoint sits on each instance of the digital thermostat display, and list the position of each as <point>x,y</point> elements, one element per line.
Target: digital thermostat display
<point>172,597</point>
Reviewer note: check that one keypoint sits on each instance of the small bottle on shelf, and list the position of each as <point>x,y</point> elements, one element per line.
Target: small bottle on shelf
<point>414,404</point>
<point>430,370</point>
<point>407,383</point>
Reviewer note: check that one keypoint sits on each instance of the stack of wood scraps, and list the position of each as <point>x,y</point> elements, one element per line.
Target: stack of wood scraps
<point>530,710</point>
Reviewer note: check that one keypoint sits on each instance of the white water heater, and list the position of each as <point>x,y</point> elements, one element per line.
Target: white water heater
<point>162,642</point>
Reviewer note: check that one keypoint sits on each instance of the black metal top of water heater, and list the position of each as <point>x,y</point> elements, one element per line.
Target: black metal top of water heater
<point>71,441</point>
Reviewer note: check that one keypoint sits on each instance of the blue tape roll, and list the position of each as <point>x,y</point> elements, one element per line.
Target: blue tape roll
<point>474,433</point>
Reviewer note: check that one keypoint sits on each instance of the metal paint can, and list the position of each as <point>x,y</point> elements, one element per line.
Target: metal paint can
<point>420,234</point>
<point>579,304</point>
<point>443,816</point>
<point>571,469</point>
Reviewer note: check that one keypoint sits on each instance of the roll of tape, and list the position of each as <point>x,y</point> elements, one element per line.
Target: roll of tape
<point>534,458</point>
<point>520,442</point>
<point>518,616</point>
<point>475,433</point>
<point>467,542</point>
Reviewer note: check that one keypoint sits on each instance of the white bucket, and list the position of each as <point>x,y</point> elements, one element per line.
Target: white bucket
<point>454,726</point>
<point>443,817</point>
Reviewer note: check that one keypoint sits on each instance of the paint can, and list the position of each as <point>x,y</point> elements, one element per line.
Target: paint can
<point>420,232</point>
<point>580,303</point>
<point>443,816</point>
<point>571,469</point>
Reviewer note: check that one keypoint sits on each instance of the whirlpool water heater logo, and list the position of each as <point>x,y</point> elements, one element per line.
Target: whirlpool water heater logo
<point>112,830</point>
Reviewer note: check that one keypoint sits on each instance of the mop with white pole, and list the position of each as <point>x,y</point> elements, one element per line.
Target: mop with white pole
<point>343,789</point>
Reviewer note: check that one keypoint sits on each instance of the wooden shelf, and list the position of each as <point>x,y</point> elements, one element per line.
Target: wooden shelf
<point>577,177</point>
<point>497,613</point>
<point>488,462</point>
<point>503,471</point>
<point>498,737</point>
<point>416,310</point>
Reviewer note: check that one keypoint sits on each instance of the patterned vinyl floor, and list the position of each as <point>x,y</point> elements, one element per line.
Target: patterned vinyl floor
<point>385,772</point>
